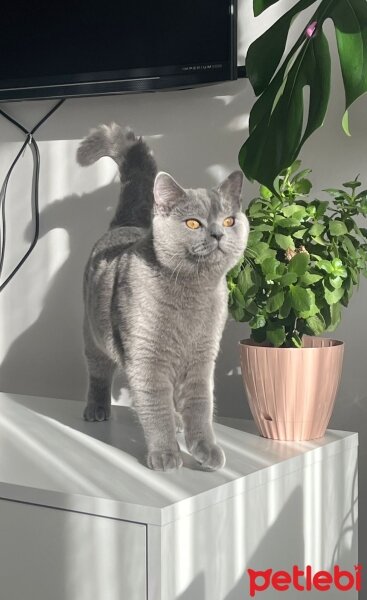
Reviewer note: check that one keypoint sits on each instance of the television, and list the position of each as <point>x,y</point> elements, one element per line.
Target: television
<point>90,47</point>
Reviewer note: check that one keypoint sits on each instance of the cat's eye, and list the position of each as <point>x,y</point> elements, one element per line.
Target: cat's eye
<point>193,224</point>
<point>228,222</point>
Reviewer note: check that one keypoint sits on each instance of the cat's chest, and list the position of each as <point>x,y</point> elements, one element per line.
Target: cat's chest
<point>195,318</point>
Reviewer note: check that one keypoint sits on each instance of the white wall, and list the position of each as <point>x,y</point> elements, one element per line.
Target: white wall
<point>196,135</point>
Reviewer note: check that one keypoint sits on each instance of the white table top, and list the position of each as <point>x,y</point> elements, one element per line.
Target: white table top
<point>49,456</point>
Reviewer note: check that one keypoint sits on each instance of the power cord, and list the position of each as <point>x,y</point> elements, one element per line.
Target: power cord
<point>35,189</point>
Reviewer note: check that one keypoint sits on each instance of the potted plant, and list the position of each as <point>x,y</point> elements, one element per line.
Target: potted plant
<point>303,261</point>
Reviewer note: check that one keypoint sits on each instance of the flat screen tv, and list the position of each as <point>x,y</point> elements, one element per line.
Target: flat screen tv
<point>90,47</point>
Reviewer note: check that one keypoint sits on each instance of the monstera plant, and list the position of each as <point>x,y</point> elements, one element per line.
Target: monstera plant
<point>278,124</point>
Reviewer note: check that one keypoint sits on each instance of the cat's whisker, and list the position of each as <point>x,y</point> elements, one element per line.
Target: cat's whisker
<point>176,267</point>
<point>197,270</point>
<point>178,272</point>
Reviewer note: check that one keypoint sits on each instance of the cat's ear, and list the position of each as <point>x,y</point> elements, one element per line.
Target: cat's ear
<point>231,188</point>
<point>167,192</point>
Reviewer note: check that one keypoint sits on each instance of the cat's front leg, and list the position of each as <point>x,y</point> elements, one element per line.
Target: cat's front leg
<point>197,414</point>
<point>154,406</point>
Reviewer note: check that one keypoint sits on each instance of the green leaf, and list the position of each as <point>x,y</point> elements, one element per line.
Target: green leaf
<point>317,229</point>
<point>276,336</point>
<point>334,317</point>
<point>338,268</point>
<point>333,296</point>
<point>325,265</point>
<point>261,5</point>
<point>352,184</point>
<point>310,278</point>
<point>284,241</point>
<point>294,210</point>
<point>303,186</point>
<point>293,168</point>
<point>337,228</point>
<point>252,308</point>
<point>264,227</point>
<point>276,120</point>
<point>238,313</point>
<point>265,192</point>
<point>311,312</point>
<point>316,324</point>
<point>336,282</point>
<point>254,237</point>
<point>297,341</point>
<point>269,267</point>
<point>285,309</point>
<point>350,18</point>
<point>288,279</point>
<point>256,209</point>
<point>261,251</point>
<point>270,46</point>
<point>286,223</point>
<point>239,297</point>
<point>335,193</point>
<point>349,247</point>
<point>302,298</point>
<point>299,263</point>
<point>319,240</point>
<point>299,234</point>
<point>247,282</point>
<point>354,275</point>
<point>257,321</point>
<point>274,302</point>
<point>322,206</point>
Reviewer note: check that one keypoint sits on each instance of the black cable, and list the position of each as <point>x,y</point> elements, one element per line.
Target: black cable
<point>35,187</point>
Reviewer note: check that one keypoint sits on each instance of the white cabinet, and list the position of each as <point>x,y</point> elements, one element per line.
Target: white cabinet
<point>82,518</point>
<point>46,553</point>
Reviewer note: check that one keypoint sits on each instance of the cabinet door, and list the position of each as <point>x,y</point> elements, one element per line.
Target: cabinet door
<point>54,554</point>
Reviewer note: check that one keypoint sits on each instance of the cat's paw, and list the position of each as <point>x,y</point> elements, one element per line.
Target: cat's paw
<point>164,461</point>
<point>96,412</point>
<point>179,423</point>
<point>209,455</point>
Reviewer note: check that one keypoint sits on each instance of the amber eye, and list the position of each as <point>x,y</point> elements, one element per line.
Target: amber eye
<point>193,224</point>
<point>228,222</point>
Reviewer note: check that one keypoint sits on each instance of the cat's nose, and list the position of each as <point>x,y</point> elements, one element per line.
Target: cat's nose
<point>216,232</point>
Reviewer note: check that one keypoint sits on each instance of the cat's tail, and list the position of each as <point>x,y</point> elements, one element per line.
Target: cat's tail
<point>137,168</point>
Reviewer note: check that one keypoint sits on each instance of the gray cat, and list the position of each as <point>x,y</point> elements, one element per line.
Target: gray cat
<point>156,298</point>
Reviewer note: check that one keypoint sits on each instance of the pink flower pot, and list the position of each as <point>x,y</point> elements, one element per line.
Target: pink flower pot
<point>292,391</point>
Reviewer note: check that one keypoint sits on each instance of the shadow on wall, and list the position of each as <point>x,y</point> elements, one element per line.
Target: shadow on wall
<point>48,356</point>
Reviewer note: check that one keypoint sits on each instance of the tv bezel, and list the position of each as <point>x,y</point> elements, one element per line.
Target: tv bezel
<point>128,80</point>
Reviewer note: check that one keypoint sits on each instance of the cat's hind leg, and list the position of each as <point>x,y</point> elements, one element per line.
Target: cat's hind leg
<point>100,370</point>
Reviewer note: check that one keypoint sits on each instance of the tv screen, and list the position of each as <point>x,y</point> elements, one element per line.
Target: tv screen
<point>88,47</point>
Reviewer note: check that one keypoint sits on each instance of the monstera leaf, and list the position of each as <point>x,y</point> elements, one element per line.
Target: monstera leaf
<point>278,124</point>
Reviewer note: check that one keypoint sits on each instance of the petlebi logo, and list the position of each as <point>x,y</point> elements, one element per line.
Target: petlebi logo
<point>305,580</point>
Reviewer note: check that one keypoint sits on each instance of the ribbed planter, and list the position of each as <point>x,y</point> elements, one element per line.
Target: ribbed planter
<point>292,391</point>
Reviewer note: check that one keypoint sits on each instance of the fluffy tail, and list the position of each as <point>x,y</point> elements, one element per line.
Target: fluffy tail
<point>137,168</point>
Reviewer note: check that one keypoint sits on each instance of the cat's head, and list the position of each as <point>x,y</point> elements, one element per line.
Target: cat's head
<point>199,231</point>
